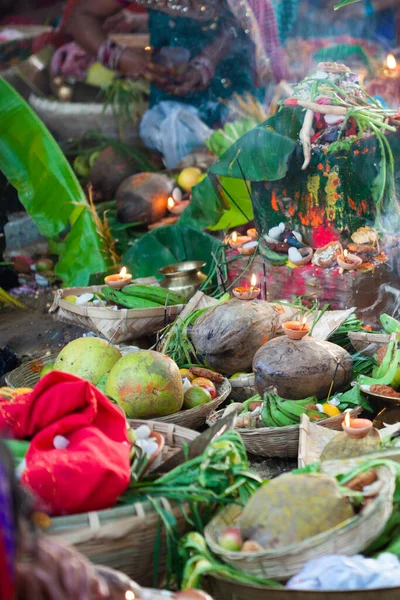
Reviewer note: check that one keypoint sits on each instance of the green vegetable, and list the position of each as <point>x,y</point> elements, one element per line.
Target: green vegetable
<point>389,324</point>
<point>223,138</point>
<point>157,294</point>
<point>352,398</point>
<point>127,301</point>
<point>391,377</point>
<point>382,369</point>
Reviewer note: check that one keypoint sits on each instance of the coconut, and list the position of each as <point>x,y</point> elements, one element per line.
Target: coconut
<point>143,198</point>
<point>299,369</point>
<point>89,358</point>
<point>292,508</point>
<point>146,384</point>
<point>109,170</point>
<point>228,335</point>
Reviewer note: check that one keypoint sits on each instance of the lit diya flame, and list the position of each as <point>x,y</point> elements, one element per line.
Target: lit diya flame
<point>234,237</point>
<point>119,281</point>
<point>129,595</point>
<point>347,419</point>
<point>170,203</point>
<point>303,323</point>
<point>391,62</point>
<point>345,253</point>
<point>253,281</point>
<point>123,272</point>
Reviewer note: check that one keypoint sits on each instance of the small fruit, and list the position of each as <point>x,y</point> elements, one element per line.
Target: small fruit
<point>250,546</point>
<point>196,396</point>
<point>203,382</point>
<point>44,264</point>
<point>189,177</point>
<point>231,539</point>
<point>46,369</point>
<point>331,410</point>
<point>186,374</point>
<point>71,299</point>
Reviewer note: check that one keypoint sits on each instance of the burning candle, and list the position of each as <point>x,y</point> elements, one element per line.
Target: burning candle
<point>244,293</point>
<point>347,261</point>
<point>119,281</point>
<point>296,330</point>
<point>175,207</point>
<point>391,62</point>
<point>236,241</point>
<point>356,428</point>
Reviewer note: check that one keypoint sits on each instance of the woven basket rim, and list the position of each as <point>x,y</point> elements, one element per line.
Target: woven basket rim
<point>287,429</point>
<point>295,549</point>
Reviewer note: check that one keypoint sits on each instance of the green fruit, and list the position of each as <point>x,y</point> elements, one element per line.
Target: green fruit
<point>101,384</point>
<point>196,396</point>
<point>46,369</point>
<point>99,76</point>
<point>88,358</point>
<point>71,299</point>
<point>146,384</point>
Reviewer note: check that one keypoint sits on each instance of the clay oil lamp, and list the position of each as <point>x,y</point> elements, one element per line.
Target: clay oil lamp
<point>348,262</point>
<point>175,207</point>
<point>117,282</point>
<point>296,330</point>
<point>356,428</point>
<point>248,248</point>
<point>236,240</point>
<point>252,234</point>
<point>245,293</point>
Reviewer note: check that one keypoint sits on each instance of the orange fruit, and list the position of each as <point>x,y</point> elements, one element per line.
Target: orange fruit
<point>203,382</point>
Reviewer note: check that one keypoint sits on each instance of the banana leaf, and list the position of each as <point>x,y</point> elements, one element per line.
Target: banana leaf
<point>212,206</point>
<point>222,199</point>
<point>168,245</point>
<point>33,163</point>
<point>344,3</point>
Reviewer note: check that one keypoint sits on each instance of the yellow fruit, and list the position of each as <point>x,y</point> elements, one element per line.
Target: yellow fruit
<point>71,299</point>
<point>186,374</point>
<point>99,76</point>
<point>330,410</point>
<point>189,177</point>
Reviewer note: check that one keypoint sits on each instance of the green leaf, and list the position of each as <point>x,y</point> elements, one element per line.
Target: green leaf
<point>344,3</point>
<point>263,153</point>
<point>212,208</point>
<point>47,187</point>
<point>223,138</point>
<point>168,245</point>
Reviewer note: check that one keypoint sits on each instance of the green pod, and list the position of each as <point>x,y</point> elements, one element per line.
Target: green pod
<point>127,301</point>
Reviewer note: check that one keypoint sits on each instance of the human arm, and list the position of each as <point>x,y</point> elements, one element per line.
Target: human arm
<point>86,25</point>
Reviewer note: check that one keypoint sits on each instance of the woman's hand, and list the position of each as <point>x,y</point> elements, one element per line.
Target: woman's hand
<point>134,63</point>
<point>190,81</point>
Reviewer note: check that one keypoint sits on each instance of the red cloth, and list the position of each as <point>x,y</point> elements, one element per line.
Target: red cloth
<point>94,470</point>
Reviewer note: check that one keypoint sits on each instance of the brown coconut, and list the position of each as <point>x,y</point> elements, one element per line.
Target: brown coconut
<point>299,369</point>
<point>143,198</point>
<point>228,335</point>
<point>292,508</point>
<point>109,170</point>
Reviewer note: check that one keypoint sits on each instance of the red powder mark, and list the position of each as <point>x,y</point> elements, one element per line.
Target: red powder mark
<point>323,235</point>
<point>292,210</point>
<point>352,204</point>
<point>367,328</point>
<point>36,367</point>
<point>325,149</point>
<point>320,166</point>
<point>291,102</point>
<point>274,202</point>
<point>356,152</point>
<point>335,196</point>
<point>362,208</point>
<point>335,182</point>
<point>365,151</point>
<point>328,168</point>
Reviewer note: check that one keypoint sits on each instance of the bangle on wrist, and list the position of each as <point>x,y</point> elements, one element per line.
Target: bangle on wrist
<point>109,54</point>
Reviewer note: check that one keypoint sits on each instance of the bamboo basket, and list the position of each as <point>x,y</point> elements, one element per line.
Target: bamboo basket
<point>349,537</point>
<point>195,417</point>
<point>224,589</point>
<point>368,343</point>
<point>116,326</point>
<point>278,441</point>
<point>123,538</point>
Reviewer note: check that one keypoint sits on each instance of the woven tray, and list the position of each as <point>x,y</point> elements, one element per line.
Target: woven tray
<point>116,326</point>
<point>350,537</point>
<point>232,590</point>
<point>196,417</point>
<point>368,343</point>
<point>123,538</point>
<point>278,441</point>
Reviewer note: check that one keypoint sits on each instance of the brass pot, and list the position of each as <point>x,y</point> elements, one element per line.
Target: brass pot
<point>184,277</point>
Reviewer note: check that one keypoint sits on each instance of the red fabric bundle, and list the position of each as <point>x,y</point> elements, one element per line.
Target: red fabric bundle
<point>94,469</point>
